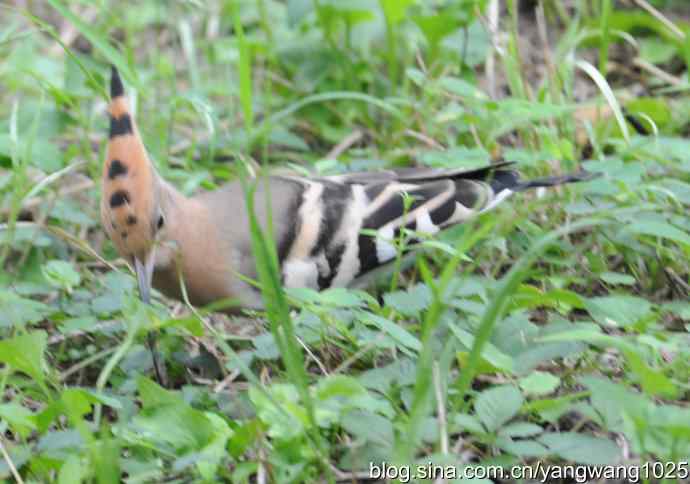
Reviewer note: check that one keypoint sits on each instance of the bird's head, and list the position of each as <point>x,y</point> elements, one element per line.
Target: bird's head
<point>132,205</point>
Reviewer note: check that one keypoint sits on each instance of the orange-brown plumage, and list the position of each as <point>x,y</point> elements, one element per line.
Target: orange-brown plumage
<point>130,203</point>
<point>129,187</point>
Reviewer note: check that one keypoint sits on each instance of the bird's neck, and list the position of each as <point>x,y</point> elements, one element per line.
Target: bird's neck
<point>173,206</point>
<point>170,196</point>
<point>188,246</point>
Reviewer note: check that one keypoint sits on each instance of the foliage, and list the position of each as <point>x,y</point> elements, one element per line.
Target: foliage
<point>552,329</point>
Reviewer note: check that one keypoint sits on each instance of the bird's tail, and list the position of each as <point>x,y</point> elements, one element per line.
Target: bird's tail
<point>510,180</point>
<point>550,181</point>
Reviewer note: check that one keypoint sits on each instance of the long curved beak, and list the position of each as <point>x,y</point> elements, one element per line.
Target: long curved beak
<point>144,270</point>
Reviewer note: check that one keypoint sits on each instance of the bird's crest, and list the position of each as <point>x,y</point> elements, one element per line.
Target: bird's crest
<point>131,188</point>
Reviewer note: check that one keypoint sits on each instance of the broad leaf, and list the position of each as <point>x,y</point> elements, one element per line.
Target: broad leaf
<point>25,353</point>
<point>498,405</point>
<point>618,310</point>
<point>539,383</point>
<point>397,332</point>
<point>581,448</point>
<point>18,311</point>
<point>660,229</point>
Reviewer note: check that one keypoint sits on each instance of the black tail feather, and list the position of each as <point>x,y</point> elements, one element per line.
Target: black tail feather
<point>510,180</point>
<point>551,181</point>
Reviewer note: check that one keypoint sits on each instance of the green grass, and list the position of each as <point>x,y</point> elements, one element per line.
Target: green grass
<point>553,329</point>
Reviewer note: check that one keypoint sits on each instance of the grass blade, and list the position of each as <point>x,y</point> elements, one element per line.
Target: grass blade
<point>277,309</point>
<point>605,89</point>
<point>245,72</point>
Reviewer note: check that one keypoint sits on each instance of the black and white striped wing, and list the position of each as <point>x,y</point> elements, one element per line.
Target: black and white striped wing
<point>330,243</point>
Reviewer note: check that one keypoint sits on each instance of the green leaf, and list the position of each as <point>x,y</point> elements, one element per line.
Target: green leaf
<point>76,403</point>
<point>618,310</point>
<point>341,297</point>
<point>529,296</point>
<point>339,386</point>
<point>400,371</point>
<point>19,418</point>
<point>395,331</point>
<point>283,137</point>
<point>410,302</point>
<point>521,429</point>
<point>287,421</point>
<point>266,347</point>
<point>394,10</point>
<point>473,41</point>
<point>437,26</point>
<point>18,311</point>
<point>462,88</point>
<point>81,399</point>
<point>73,470</point>
<point>244,435</point>
<point>25,353</point>
<point>297,10</point>
<point>536,354</point>
<point>494,358</point>
<point>153,395</point>
<point>617,278</point>
<point>539,383</point>
<point>338,394</point>
<point>369,426</point>
<point>659,229</point>
<point>215,451</point>
<point>653,382</point>
<point>498,405</point>
<point>105,459</point>
<point>656,50</point>
<point>166,418</point>
<point>524,448</point>
<point>679,189</point>
<point>467,423</point>
<point>46,155</point>
<point>416,76</point>
<point>332,12</point>
<point>61,274</point>
<point>581,448</point>
<point>70,211</point>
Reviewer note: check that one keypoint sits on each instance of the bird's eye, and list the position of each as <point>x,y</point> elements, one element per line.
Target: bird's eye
<point>160,222</point>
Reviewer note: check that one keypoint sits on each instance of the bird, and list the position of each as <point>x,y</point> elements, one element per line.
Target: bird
<point>328,231</point>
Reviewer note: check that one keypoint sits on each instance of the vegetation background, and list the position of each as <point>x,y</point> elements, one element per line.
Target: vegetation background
<point>552,330</point>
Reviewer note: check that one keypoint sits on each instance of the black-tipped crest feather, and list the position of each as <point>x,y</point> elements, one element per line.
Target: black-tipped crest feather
<point>116,87</point>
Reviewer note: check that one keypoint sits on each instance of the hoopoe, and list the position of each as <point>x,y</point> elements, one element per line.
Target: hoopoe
<point>318,223</point>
